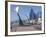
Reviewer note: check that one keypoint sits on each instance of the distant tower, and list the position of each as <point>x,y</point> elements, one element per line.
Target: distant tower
<point>32,15</point>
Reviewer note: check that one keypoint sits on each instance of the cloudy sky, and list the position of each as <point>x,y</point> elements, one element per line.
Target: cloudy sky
<point>23,11</point>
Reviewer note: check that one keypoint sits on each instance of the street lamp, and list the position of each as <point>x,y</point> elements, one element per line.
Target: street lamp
<point>20,21</point>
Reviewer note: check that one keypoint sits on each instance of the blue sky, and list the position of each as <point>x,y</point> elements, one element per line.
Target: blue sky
<point>23,11</point>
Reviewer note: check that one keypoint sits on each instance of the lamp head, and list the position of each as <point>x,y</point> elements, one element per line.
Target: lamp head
<point>17,9</point>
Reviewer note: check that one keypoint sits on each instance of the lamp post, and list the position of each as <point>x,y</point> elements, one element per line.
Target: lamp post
<point>20,21</point>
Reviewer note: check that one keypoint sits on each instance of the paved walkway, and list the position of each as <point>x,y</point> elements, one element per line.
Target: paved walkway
<point>27,28</point>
